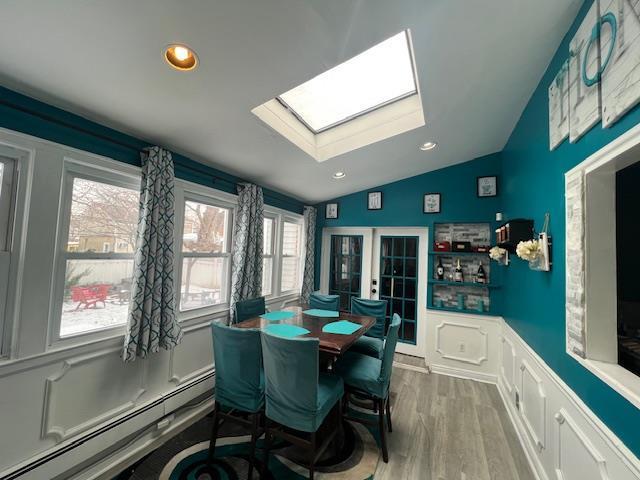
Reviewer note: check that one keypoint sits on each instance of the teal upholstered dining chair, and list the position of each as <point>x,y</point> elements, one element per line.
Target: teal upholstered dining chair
<point>372,342</point>
<point>324,302</point>
<point>246,309</point>
<point>239,386</point>
<point>370,377</point>
<point>297,395</point>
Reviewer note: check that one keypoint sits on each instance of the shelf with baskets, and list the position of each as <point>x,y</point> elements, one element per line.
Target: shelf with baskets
<point>448,293</point>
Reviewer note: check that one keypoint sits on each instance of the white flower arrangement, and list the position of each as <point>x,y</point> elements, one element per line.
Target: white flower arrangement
<point>529,250</point>
<point>496,253</point>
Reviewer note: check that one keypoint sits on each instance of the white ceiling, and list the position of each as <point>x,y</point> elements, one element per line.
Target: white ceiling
<point>478,63</point>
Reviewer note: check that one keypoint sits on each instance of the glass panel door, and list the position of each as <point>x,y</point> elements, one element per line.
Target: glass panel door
<point>345,271</point>
<point>398,282</point>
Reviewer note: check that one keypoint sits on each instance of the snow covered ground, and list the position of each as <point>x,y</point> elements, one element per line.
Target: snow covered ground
<point>95,318</point>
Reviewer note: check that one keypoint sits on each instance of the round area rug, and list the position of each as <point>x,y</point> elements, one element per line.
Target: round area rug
<point>184,457</point>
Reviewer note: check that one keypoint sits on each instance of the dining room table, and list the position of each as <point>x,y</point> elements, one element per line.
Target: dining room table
<point>333,344</point>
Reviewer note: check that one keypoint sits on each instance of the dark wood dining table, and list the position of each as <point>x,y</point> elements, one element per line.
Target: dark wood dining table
<point>330,343</point>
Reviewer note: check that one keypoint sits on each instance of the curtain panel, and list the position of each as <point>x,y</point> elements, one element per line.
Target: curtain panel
<point>152,312</point>
<point>246,267</point>
<point>308,279</point>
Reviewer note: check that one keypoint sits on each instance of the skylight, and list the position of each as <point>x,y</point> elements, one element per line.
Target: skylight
<point>377,77</point>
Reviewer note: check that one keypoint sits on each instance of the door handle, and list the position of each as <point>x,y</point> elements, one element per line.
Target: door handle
<point>393,284</point>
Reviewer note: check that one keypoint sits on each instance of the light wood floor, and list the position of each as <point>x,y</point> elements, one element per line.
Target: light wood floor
<point>446,428</point>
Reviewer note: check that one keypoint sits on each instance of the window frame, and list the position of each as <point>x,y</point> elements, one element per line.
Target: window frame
<point>301,253</point>
<point>272,255</point>
<point>193,193</point>
<point>72,169</point>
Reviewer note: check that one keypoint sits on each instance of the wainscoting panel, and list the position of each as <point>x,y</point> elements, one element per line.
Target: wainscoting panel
<point>89,390</point>
<point>183,364</point>
<point>463,345</point>
<point>533,404</point>
<point>508,364</point>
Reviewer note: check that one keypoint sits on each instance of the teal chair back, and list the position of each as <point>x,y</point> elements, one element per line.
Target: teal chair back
<point>324,302</point>
<point>371,308</point>
<point>389,351</point>
<point>237,353</point>
<point>246,309</point>
<point>291,369</point>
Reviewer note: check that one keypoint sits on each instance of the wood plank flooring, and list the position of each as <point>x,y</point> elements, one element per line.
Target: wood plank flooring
<point>447,428</point>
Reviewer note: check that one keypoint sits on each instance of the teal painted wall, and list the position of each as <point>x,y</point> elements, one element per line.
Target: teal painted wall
<point>402,201</point>
<point>27,115</point>
<point>533,183</point>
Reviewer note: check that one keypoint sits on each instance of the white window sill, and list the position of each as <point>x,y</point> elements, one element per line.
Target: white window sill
<point>619,378</point>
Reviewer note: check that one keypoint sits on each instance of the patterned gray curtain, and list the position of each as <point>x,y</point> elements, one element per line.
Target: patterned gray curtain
<point>246,267</point>
<point>309,259</point>
<point>152,317</point>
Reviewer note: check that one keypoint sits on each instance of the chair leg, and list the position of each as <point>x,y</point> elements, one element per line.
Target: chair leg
<point>254,439</point>
<point>389,414</point>
<point>383,430</point>
<point>214,435</point>
<point>267,442</point>
<point>312,466</point>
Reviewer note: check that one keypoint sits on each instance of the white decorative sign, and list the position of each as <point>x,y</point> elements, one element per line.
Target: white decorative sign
<point>559,107</point>
<point>584,76</point>
<point>620,54</point>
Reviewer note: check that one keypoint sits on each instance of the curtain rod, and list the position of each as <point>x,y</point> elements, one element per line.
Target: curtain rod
<point>52,119</point>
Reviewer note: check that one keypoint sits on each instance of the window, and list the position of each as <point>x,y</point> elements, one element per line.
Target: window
<point>97,280</point>
<point>290,270</point>
<point>205,256</point>
<point>376,77</point>
<point>267,261</point>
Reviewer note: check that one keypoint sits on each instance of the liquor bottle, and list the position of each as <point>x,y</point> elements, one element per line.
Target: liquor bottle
<point>481,276</point>
<point>458,276</point>
<point>440,270</point>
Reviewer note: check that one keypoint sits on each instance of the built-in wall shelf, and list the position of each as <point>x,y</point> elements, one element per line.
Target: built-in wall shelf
<point>465,284</point>
<point>467,296</point>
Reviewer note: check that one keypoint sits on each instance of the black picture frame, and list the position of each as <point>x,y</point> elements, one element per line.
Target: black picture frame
<point>494,194</point>
<point>369,200</point>
<point>326,211</point>
<point>424,202</point>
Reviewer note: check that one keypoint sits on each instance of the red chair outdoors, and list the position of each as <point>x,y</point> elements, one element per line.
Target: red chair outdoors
<point>89,296</point>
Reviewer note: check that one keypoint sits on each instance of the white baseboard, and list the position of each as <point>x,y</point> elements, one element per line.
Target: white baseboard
<point>462,373</point>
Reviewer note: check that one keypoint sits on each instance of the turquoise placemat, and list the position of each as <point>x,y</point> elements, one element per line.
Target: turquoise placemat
<point>342,327</point>
<point>278,315</point>
<point>316,312</point>
<point>284,330</point>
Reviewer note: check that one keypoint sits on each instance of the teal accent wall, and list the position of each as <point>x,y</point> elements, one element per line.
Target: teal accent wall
<point>27,115</point>
<point>533,183</point>
<point>402,201</point>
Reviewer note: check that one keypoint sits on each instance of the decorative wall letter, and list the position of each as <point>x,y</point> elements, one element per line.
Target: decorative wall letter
<point>584,75</point>
<point>620,54</point>
<point>559,107</point>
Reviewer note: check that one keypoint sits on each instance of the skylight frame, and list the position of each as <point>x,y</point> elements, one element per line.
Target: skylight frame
<point>409,46</point>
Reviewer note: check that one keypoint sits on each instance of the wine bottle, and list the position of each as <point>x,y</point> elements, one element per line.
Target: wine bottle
<point>458,275</point>
<point>440,270</point>
<point>481,276</point>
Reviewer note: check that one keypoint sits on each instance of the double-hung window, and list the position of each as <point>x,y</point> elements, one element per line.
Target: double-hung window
<point>268,243</point>
<point>8,182</point>
<point>99,228</point>
<point>205,255</point>
<point>290,261</point>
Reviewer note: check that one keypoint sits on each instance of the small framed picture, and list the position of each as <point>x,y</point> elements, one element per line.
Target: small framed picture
<point>431,203</point>
<point>488,186</point>
<point>331,210</point>
<point>374,201</point>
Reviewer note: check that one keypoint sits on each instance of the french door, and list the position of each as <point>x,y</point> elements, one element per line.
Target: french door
<point>381,263</point>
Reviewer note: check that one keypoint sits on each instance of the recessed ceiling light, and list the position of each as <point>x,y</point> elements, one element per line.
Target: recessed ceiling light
<point>428,146</point>
<point>339,175</point>
<point>181,57</point>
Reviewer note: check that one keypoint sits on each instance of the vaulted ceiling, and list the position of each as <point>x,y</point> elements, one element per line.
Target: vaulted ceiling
<point>477,62</point>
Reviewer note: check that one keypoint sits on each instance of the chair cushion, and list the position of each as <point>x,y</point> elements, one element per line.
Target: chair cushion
<point>362,372</point>
<point>370,346</point>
